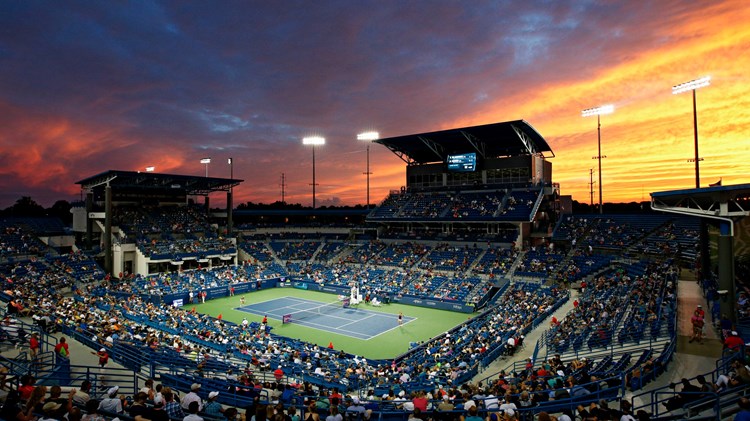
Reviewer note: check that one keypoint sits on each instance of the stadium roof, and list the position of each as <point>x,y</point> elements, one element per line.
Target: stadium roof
<point>511,138</point>
<point>189,184</point>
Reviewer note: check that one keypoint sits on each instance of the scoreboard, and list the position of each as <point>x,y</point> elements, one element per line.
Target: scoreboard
<point>465,162</point>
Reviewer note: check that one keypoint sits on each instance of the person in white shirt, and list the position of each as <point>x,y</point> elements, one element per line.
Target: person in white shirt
<point>192,397</point>
<point>111,403</point>
<point>193,415</point>
<point>508,404</point>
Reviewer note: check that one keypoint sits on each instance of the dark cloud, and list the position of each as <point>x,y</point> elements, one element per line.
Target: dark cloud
<point>165,83</point>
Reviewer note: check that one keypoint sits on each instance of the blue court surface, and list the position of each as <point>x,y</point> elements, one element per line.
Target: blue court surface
<point>330,317</point>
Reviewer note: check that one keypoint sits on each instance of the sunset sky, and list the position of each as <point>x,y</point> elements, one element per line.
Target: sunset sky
<point>87,87</point>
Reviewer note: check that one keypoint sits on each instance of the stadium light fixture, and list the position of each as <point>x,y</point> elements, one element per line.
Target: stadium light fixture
<point>230,162</point>
<point>598,112</point>
<point>313,141</point>
<point>368,137</point>
<point>150,169</point>
<point>206,161</point>
<point>692,86</point>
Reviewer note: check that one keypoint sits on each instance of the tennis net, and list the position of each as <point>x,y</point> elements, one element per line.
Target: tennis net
<point>311,312</point>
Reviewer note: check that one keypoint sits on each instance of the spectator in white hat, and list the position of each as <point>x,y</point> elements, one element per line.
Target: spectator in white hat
<point>111,403</point>
<point>212,407</point>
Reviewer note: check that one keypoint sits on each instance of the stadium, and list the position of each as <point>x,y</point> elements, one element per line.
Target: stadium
<point>473,285</point>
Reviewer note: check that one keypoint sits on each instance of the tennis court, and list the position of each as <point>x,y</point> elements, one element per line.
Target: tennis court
<point>330,317</point>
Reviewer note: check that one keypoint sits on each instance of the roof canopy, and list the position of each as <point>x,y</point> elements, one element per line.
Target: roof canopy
<point>511,138</point>
<point>188,184</point>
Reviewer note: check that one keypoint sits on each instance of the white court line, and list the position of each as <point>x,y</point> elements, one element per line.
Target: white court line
<point>328,328</point>
<point>357,321</point>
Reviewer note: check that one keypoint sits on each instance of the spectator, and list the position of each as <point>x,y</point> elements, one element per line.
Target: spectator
<point>744,414</point>
<point>148,387</point>
<point>312,413</point>
<point>138,410</point>
<point>688,393</point>
<point>103,358</point>
<point>111,403</point>
<point>211,407</point>
<point>697,321</point>
<point>173,408</point>
<point>473,415</point>
<point>193,408</point>
<point>82,395</point>
<point>12,409</point>
<point>192,396</point>
<point>357,408</point>
<point>92,411</point>
<point>34,345</point>
<point>56,396</point>
<point>334,414</point>
<point>446,404</point>
<point>158,413</point>
<point>734,342</point>
<point>61,349</point>
<point>27,386</point>
<point>48,410</point>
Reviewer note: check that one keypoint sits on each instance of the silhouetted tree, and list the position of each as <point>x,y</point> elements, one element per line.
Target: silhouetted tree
<point>25,207</point>
<point>61,209</point>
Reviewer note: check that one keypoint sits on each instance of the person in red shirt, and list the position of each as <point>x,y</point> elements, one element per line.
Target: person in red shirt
<point>61,348</point>
<point>103,357</point>
<point>733,341</point>
<point>335,395</point>
<point>278,374</point>
<point>34,346</point>
<point>27,386</point>
<point>420,401</point>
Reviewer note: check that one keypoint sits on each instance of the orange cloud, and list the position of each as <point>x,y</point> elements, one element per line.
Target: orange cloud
<point>649,138</point>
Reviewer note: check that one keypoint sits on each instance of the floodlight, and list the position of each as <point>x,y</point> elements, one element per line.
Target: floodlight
<point>205,160</point>
<point>692,85</point>
<point>604,109</point>
<point>598,112</point>
<point>313,140</point>
<point>150,169</point>
<point>369,136</point>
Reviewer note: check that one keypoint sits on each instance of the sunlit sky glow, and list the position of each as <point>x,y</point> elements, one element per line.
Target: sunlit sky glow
<point>90,86</point>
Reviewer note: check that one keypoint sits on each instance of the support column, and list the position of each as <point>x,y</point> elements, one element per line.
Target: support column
<point>230,219</point>
<point>705,251</point>
<point>108,229</point>
<point>208,206</point>
<point>726,271</point>
<point>89,220</point>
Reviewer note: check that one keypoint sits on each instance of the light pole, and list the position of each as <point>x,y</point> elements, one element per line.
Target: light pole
<point>692,86</point>
<point>313,141</point>
<point>230,198</point>
<point>598,112</point>
<point>368,137</point>
<point>206,161</point>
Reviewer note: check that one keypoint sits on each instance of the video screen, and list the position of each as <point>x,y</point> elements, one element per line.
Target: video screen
<point>465,162</point>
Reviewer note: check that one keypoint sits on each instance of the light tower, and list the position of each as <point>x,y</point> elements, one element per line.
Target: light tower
<point>598,112</point>
<point>206,161</point>
<point>313,141</point>
<point>368,137</point>
<point>692,86</point>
